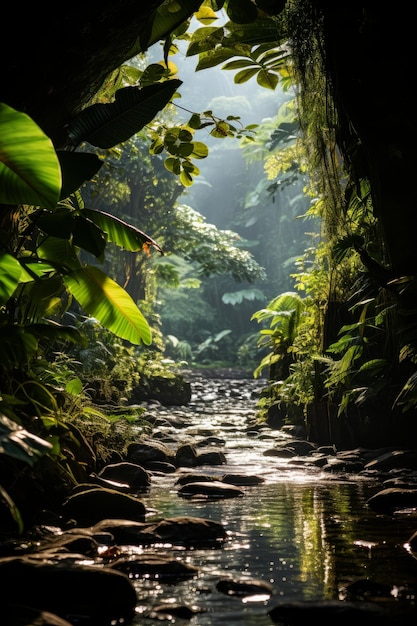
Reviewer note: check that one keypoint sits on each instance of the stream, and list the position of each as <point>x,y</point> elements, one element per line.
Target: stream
<point>307,533</point>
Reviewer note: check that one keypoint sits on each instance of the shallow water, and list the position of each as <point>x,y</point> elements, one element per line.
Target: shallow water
<point>307,533</point>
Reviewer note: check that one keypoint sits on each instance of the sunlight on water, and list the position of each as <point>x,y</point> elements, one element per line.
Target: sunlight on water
<point>307,534</point>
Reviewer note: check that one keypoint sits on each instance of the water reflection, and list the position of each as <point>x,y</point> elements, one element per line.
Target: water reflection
<point>307,534</point>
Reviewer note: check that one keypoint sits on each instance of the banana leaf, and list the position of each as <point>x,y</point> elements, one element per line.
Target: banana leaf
<point>107,125</point>
<point>121,233</point>
<point>102,298</point>
<point>29,168</point>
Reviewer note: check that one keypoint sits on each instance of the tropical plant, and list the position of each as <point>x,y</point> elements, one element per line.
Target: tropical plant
<point>41,260</point>
<point>284,314</point>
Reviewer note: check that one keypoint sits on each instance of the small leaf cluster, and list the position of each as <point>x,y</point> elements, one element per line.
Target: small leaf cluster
<point>180,145</point>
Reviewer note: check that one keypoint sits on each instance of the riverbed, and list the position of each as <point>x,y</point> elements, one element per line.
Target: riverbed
<point>308,534</point>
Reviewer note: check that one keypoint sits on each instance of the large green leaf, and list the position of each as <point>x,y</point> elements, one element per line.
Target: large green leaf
<point>102,298</point>
<point>107,125</point>
<point>10,272</point>
<point>66,224</point>
<point>19,443</point>
<point>60,253</point>
<point>165,19</point>
<point>242,11</point>
<point>121,233</point>
<point>76,168</point>
<point>29,168</point>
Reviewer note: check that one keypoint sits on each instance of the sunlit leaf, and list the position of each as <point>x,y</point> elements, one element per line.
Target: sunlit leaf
<point>29,168</point>
<point>200,150</point>
<point>206,15</point>
<point>121,233</point>
<point>205,39</point>
<point>170,68</point>
<point>43,299</point>
<point>238,64</point>
<point>221,130</point>
<point>164,20</point>
<point>18,443</point>
<point>153,74</point>
<point>102,298</point>
<point>58,252</point>
<point>183,149</point>
<point>267,79</point>
<point>185,135</point>
<point>214,57</point>
<point>194,121</point>
<point>173,165</point>
<point>74,386</point>
<point>10,272</point>
<point>186,179</point>
<point>245,75</point>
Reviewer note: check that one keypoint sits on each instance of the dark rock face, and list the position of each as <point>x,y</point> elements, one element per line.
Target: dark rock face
<point>162,568</point>
<point>90,506</point>
<point>144,453</point>
<point>243,588</point>
<point>327,613</point>
<point>130,473</point>
<point>68,590</point>
<point>393,499</point>
<point>15,615</point>
<point>209,488</point>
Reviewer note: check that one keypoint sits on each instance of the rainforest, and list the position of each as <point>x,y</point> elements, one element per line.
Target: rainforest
<point>111,282</point>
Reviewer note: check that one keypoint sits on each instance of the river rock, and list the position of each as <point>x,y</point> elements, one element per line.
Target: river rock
<point>172,610</point>
<point>27,616</point>
<point>179,531</point>
<point>126,472</point>
<point>393,499</point>
<point>90,506</point>
<point>242,480</point>
<point>327,613</point>
<point>144,453</point>
<point>243,587</point>
<point>186,456</point>
<point>189,531</point>
<point>155,566</point>
<point>99,481</point>
<point>406,459</point>
<point>100,594</point>
<point>282,452</point>
<point>195,478</point>
<point>211,458</point>
<point>211,488</point>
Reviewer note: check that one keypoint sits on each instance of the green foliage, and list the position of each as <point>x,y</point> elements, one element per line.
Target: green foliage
<point>106,125</point>
<point>179,143</point>
<point>18,443</point>
<point>254,46</point>
<point>284,314</point>
<point>42,260</point>
<point>216,251</point>
<point>23,147</point>
<point>132,109</point>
